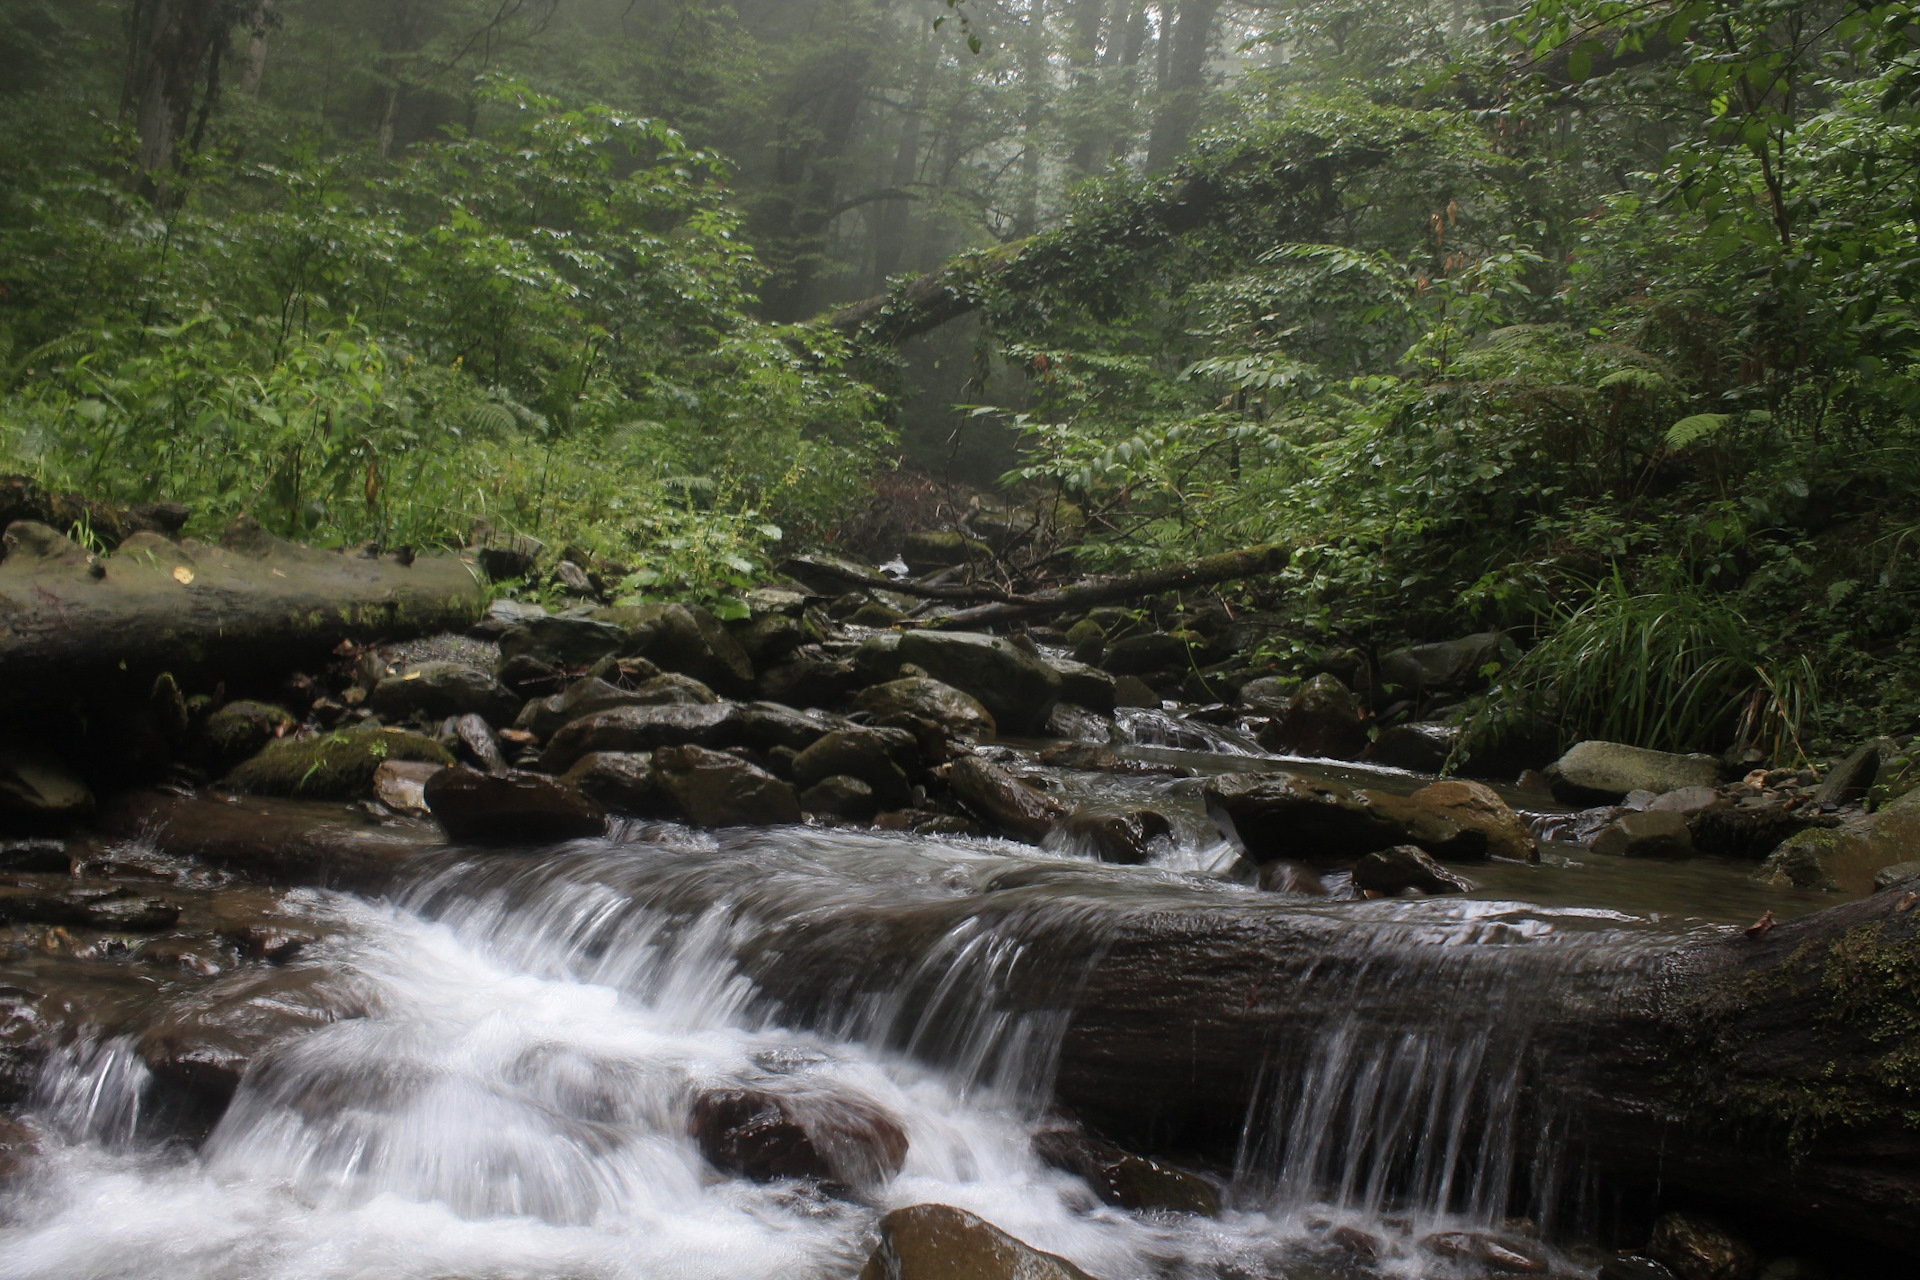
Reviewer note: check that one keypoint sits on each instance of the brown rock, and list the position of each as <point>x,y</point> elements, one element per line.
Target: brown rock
<point>1021,811</point>
<point>715,789</point>
<point>510,808</point>
<point>939,1242</point>
<point>401,784</point>
<point>1121,1178</point>
<point>1403,868</point>
<point>1324,718</point>
<point>1116,837</point>
<point>1697,1249</point>
<point>1478,807</point>
<point>764,1135</point>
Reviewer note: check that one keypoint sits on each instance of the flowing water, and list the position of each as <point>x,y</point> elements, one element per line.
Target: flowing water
<point>515,1099</point>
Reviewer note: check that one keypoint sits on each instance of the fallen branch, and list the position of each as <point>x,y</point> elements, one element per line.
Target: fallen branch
<point>1252,562</point>
<point>804,567</point>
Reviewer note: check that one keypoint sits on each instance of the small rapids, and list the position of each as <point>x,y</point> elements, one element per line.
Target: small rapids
<point>514,1099</point>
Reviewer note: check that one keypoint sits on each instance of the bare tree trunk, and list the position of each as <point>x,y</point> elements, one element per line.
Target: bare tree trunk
<point>255,71</point>
<point>1180,84</point>
<point>169,46</point>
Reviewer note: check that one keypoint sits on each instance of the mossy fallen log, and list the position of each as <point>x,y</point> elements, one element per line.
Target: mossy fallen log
<point>79,628</point>
<point>1250,562</point>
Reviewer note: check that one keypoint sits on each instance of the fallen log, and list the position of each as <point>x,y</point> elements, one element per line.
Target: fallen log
<point>76,627</point>
<point>1250,562</point>
<point>808,568</point>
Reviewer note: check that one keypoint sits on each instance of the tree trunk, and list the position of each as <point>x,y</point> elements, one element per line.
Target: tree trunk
<point>255,72</point>
<point>78,629</point>
<point>169,46</point>
<point>1228,566</point>
<point>1182,82</point>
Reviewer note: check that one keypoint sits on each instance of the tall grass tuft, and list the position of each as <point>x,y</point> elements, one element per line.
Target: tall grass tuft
<point>1673,669</point>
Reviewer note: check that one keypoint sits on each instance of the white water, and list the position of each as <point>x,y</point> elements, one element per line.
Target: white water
<point>516,1104</point>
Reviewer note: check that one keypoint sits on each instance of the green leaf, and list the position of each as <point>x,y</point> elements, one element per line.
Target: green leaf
<point>1696,427</point>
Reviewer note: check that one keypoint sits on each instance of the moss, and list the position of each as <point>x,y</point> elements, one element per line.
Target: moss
<point>338,765</point>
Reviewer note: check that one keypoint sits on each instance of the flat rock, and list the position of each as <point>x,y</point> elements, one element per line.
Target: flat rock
<point>401,784</point>
<point>1846,859</point>
<point>338,765</point>
<point>921,697</point>
<point>436,690</point>
<point>939,1242</point>
<point>1595,772</point>
<point>643,729</point>
<point>1019,810</point>
<point>714,789</point>
<point>510,808</point>
<point>1651,833</point>
<point>1287,817</point>
<point>1016,687</point>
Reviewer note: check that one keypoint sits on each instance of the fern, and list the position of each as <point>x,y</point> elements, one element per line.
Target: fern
<point>1696,427</point>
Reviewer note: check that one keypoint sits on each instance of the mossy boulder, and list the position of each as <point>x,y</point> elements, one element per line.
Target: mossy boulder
<point>933,549</point>
<point>240,729</point>
<point>332,766</point>
<point>1088,640</point>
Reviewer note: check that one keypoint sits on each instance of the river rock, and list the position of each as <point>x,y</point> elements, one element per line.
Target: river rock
<point>926,550</point>
<point>772,638</point>
<point>715,789</point>
<point>1422,746</point>
<point>1323,718</point>
<point>642,729</point>
<point>920,697</point>
<point>939,1242</point>
<point>1078,724</point>
<point>1083,685</point>
<point>1651,833</point>
<point>502,616</point>
<point>1286,817</point>
<point>687,639</point>
<point>620,781</point>
<point>1499,1254</point>
<point>1388,873</point>
<point>840,796</point>
<point>401,784</point>
<point>1132,691</point>
<point>1478,807</point>
<point>1845,859</point>
<point>1696,1249</point>
<point>566,643</point>
<point>1853,777</point>
<point>472,739</point>
<point>510,808</point>
<point>115,908</point>
<point>241,728</point>
<point>1017,809</point>
<point>332,766</point>
<point>1451,665</point>
<point>810,678</point>
<point>543,717</point>
<point>36,857</point>
<point>1126,1180</point>
<point>33,785</point>
<point>1267,695</point>
<point>1688,802</point>
<point>858,753</point>
<point>1124,838</point>
<point>1087,641</point>
<point>1017,688</point>
<point>436,690</point>
<point>764,1135</point>
<point>1899,873</point>
<point>1595,772</point>
<point>1632,1267</point>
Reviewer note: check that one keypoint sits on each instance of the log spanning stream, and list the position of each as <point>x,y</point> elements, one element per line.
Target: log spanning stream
<point>522,1038</point>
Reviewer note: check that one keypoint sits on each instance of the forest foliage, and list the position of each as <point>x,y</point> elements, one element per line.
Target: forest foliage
<point>1587,319</point>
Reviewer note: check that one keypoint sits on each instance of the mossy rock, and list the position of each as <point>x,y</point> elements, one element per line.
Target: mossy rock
<point>1088,640</point>
<point>334,766</point>
<point>239,729</point>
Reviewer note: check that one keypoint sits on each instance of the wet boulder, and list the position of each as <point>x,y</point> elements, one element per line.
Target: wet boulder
<point>1453,666</point>
<point>840,796</point>
<point>1087,641</point>
<point>1078,724</point>
<point>642,729</point>
<point>332,766</point>
<point>1422,746</point>
<point>1651,833</point>
<point>401,784</point>
<point>1388,873</point>
<point>1124,837</point>
<point>1083,685</point>
<point>1019,810</point>
<point>1854,775</point>
<point>857,753</point>
<point>436,690</point>
<point>810,678</point>
<point>562,642</point>
<point>928,550</point>
<point>239,729</point>
<point>1595,772</point>
<point>1501,1255</point>
<point>1123,1179</point>
<point>920,697</point>
<point>772,638</point>
<point>1696,1249</point>
<point>1286,817</point>
<point>36,857</point>
<point>472,739</point>
<point>1478,807</point>
<point>716,789</point>
<point>510,808</point>
<point>1323,718</point>
<point>766,725</point>
<point>766,1135</point>
<point>620,781</point>
<point>1016,687</point>
<point>115,908</point>
<point>939,1242</point>
<point>1132,691</point>
<point>1846,858</point>
<point>544,717</point>
<point>34,785</point>
<point>1267,695</point>
<point>685,638</point>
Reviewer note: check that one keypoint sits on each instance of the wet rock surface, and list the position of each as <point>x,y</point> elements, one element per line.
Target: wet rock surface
<point>437,690</point>
<point>939,1242</point>
<point>715,789</point>
<point>764,1135</point>
<point>1405,869</point>
<point>336,765</point>
<point>510,808</point>
<point>1605,772</point>
<point>1121,1178</point>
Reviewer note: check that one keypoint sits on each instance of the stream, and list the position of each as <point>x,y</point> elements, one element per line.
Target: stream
<point>534,1028</point>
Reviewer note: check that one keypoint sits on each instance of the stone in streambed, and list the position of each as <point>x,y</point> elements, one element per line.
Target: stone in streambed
<point>857,753</point>
<point>642,729</point>
<point>1845,859</point>
<point>810,678</point>
<point>562,642</point>
<point>242,728</point>
<point>715,789</point>
<point>437,690</point>
<point>510,808</point>
<point>472,737</point>
<point>1087,641</point>
<point>1651,833</point>
<point>589,695</point>
<point>1854,776</point>
<point>927,550</point>
<point>1478,807</point>
<point>1498,1254</point>
<point>1017,688</point>
<point>920,697</point>
<point>41,857</point>
<point>1403,868</point>
<point>840,796</point>
<point>939,1242</point>
<point>1286,817</point>
<point>331,766</point>
<point>33,785</point>
<point>1132,691</point>
<point>1019,810</point>
<point>1632,1267</point>
<point>1451,665</point>
<point>1422,746</point>
<point>1595,772</point>
<point>1149,651</point>
<point>1324,718</point>
<point>1126,1180</point>
<point>401,784</point>
<point>765,1135</point>
<point>620,781</point>
<point>1125,838</point>
<point>1696,1249</point>
<point>1084,685</point>
<point>686,639</point>
<point>113,908</point>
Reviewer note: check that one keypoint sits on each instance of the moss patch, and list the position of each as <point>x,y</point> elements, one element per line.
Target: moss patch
<point>335,766</point>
